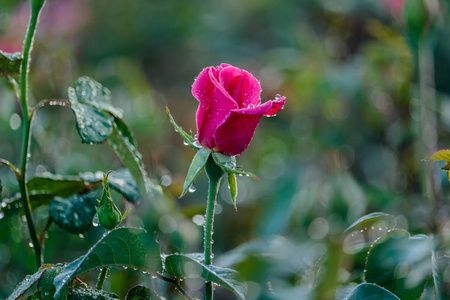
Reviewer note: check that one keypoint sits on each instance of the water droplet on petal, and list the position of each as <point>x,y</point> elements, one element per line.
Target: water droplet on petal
<point>277,96</point>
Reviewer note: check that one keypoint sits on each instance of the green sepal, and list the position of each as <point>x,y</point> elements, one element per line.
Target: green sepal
<point>188,139</point>
<point>228,164</point>
<point>233,188</point>
<point>198,162</point>
<point>10,63</point>
<point>109,216</point>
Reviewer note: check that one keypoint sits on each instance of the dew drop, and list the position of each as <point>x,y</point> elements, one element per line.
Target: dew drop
<point>192,189</point>
<point>277,96</point>
<point>2,214</point>
<point>81,236</point>
<point>95,221</point>
<point>30,244</point>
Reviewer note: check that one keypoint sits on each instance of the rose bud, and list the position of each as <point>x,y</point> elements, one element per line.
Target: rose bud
<point>230,108</point>
<point>109,216</point>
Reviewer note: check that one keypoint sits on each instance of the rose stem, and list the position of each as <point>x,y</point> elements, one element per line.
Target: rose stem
<point>214,175</point>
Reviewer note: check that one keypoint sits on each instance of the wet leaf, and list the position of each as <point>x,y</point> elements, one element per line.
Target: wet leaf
<point>75,213</point>
<point>91,294</point>
<point>400,263</point>
<point>233,188</point>
<point>368,291</point>
<point>126,247</point>
<point>197,164</point>
<point>141,292</point>
<point>25,285</point>
<point>188,139</point>
<point>228,164</point>
<point>180,265</point>
<point>10,63</point>
<point>56,185</point>
<point>377,219</point>
<point>123,146</point>
<point>123,182</point>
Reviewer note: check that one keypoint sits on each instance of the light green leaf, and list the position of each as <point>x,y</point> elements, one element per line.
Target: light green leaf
<point>443,154</point>
<point>188,139</point>
<point>94,126</point>
<point>10,63</point>
<point>180,265</point>
<point>228,164</point>
<point>233,188</point>
<point>129,247</point>
<point>56,185</point>
<point>368,291</point>
<point>377,219</point>
<point>141,292</point>
<point>25,285</point>
<point>400,263</point>
<point>197,164</point>
<point>126,150</point>
<point>75,213</point>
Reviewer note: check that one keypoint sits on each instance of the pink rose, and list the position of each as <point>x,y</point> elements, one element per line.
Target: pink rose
<point>230,108</point>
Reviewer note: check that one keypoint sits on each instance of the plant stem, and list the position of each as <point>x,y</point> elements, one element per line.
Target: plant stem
<point>36,7</point>
<point>101,278</point>
<point>176,283</point>
<point>214,175</point>
<point>10,165</point>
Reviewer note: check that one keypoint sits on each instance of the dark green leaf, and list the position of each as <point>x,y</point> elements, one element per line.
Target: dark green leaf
<point>56,185</point>
<point>233,188</point>
<point>141,292</point>
<point>132,159</point>
<point>376,219</point>
<point>10,63</point>
<point>130,247</point>
<point>400,263</point>
<point>180,265</point>
<point>228,164</point>
<point>90,294</point>
<point>197,164</point>
<point>368,291</point>
<point>75,213</point>
<point>94,125</point>
<point>45,287</point>
<point>188,139</point>
<point>92,93</point>
<point>123,182</point>
<point>25,285</point>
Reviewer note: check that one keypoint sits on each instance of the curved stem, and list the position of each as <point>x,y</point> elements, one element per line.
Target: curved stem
<point>11,166</point>
<point>59,102</point>
<point>101,278</point>
<point>176,283</point>
<point>36,6</point>
<point>214,175</point>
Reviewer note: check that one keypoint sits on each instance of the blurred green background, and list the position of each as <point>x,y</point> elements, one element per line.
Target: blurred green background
<point>342,147</point>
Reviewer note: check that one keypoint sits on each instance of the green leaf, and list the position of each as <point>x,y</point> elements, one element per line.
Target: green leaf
<point>376,219</point>
<point>233,188</point>
<point>440,265</point>
<point>125,149</point>
<point>129,247</point>
<point>91,294</point>
<point>75,213</point>
<point>439,155</point>
<point>141,292</point>
<point>228,164</point>
<point>188,139</point>
<point>180,265</point>
<point>25,285</point>
<point>45,287</point>
<point>123,182</point>
<point>400,263</point>
<point>94,125</point>
<point>197,164</point>
<point>56,185</point>
<point>368,291</point>
<point>92,93</point>
<point>10,63</point>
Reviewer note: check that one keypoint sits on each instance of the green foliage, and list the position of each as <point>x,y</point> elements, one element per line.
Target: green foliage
<point>121,247</point>
<point>141,292</point>
<point>188,139</point>
<point>368,291</point>
<point>233,188</point>
<point>376,219</point>
<point>197,164</point>
<point>228,164</point>
<point>90,294</point>
<point>109,216</point>
<point>10,63</point>
<point>180,265</point>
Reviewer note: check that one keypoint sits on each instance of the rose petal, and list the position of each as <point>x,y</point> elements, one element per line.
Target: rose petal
<point>235,134</point>
<point>241,85</point>
<point>277,105</point>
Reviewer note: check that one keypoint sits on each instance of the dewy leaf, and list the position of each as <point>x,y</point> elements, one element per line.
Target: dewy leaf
<point>377,219</point>
<point>439,155</point>
<point>368,291</point>
<point>233,188</point>
<point>91,294</point>
<point>94,126</point>
<point>188,139</point>
<point>92,93</point>
<point>132,160</point>
<point>75,213</point>
<point>400,263</point>
<point>10,63</point>
<point>198,162</point>
<point>25,285</point>
<point>180,265</point>
<point>141,292</point>
<point>128,247</point>
<point>56,185</point>
<point>228,164</point>
<point>123,182</point>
